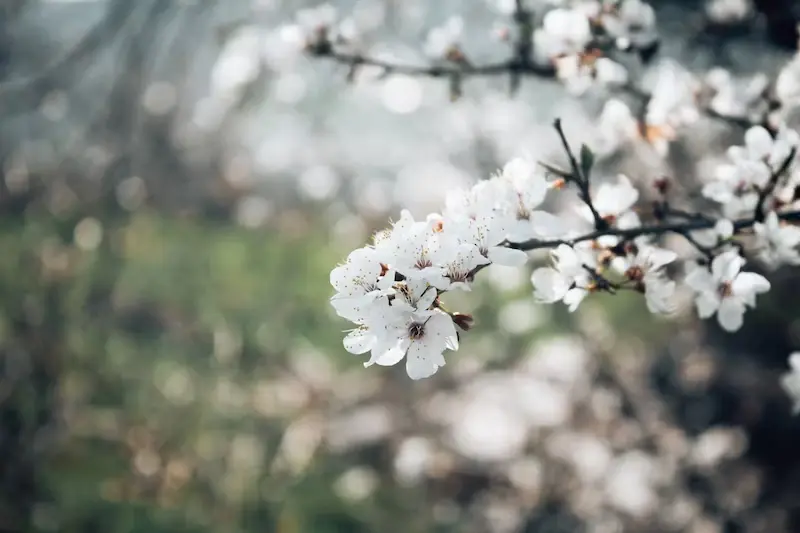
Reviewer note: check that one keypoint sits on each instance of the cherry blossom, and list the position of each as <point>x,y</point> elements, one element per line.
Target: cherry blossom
<point>488,235</point>
<point>443,41</point>
<point>737,98</point>
<point>568,279</point>
<point>776,242</point>
<point>563,32</point>
<point>787,85</point>
<point>645,267</point>
<point>393,290</point>
<point>726,290</point>
<point>359,281</point>
<point>525,190</point>
<point>580,72</point>
<point>632,23</point>
<point>420,337</point>
<point>723,230</point>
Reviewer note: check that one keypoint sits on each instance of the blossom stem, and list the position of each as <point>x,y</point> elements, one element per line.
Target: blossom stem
<point>581,180</point>
<point>517,66</point>
<point>769,188</point>
<point>681,228</point>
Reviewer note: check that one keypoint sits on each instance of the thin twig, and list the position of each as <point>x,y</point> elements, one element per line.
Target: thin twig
<point>515,67</point>
<point>580,179</point>
<point>438,71</point>
<point>632,233</point>
<point>768,189</point>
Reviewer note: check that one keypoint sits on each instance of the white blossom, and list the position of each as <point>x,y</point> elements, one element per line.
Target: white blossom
<point>568,280</point>
<point>416,249</point>
<point>711,237</point>
<point>673,103</point>
<point>776,242</point>
<point>580,72</point>
<point>728,11</point>
<point>790,381</point>
<point>487,234</point>
<point>614,198</point>
<point>443,39</point>
<point>646,267</point>
<point>737,184</point>
<point>525,190</point>
<point>481,200</point>
<point>761,146</point>
<point>616,125</point>
<point>458,271</point>
<point>737,98</point>
<point>374,322</point>
<point>725,290</point>
<point>563,32</point>
<point>631,23</point>
<point>787,85</point>
<point>415,295</point>
<point>420,337</point>
<point>359,282</point>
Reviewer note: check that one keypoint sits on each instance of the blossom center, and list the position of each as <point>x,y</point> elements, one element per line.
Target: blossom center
<point>456,274</point>
<point>423,262</point>
<point>523,213</point>
<point>416,331</point>
<point>725,289</point>
<point>635,273</point>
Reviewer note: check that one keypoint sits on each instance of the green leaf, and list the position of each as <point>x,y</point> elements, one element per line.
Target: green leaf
<point>587,161</point>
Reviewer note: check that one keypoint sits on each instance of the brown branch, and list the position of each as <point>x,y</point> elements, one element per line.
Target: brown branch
<point>680,228</point>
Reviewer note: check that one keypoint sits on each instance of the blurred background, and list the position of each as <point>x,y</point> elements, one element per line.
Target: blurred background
<point>178,180</point>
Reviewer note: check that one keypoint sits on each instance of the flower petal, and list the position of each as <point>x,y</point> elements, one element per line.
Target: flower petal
<point>359,341</point>
<point>507,256</point>
<point>707,304</point>
<point>423,361</point>
<point>549,285</point>
<point>726,266</point>
<point>731,314</point>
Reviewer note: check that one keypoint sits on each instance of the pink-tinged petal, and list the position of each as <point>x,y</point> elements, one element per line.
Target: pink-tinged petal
<point>359,341</point>
<point>726,266</point>
<point>507,256</point>
<point>731,314</point>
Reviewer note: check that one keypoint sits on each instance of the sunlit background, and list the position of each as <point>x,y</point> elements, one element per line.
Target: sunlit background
<point>178,181</point>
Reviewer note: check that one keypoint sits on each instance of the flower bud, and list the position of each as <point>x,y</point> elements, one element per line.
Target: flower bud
<point>463,320</point>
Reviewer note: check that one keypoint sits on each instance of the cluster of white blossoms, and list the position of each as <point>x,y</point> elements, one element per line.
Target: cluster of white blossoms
<point>579,39</point>
<point>391,290</point>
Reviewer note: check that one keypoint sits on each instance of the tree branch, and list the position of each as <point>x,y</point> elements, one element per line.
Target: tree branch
<point>680,228</point>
